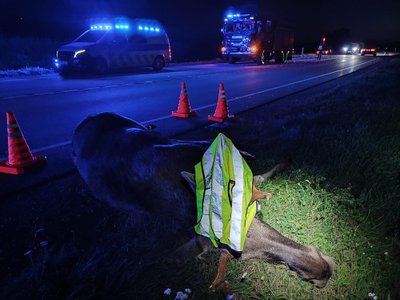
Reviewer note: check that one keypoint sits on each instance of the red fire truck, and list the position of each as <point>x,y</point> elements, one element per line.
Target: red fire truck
<point>260,39</point>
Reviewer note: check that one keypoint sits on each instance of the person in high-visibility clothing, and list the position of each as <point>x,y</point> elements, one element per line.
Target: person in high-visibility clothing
<point>320,49</point>
<point>224,184</point>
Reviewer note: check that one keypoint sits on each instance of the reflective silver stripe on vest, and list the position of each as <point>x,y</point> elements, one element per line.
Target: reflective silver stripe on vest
<point>218,188</point>
<point>208,160</point>
<point>237,201</point>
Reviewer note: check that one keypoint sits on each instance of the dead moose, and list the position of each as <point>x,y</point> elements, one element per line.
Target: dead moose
<point>133,167</point>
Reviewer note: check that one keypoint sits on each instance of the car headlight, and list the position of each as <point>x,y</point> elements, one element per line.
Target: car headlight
<point>345,49</point>
<point>79,52</point>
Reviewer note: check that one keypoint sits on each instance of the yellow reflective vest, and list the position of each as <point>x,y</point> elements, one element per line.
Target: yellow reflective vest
<point>223,195</point>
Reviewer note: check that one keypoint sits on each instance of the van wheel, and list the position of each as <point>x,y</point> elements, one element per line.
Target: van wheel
<point>100,66</point>
<point>158,63</point>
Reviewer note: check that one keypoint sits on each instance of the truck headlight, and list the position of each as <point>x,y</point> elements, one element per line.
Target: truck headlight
<point>253,49</point>
<point>79,52</point>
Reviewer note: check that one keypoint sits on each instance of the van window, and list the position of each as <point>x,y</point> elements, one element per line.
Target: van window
<point>91,36</point>
<point>117,38</point>
<point>137,39</point>
<point>157,39</point>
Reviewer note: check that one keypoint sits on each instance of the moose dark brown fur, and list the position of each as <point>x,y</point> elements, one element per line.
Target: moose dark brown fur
<point>130,166</point>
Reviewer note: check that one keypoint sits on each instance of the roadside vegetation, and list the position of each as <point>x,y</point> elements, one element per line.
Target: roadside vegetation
<point>341,193</point>
<point>26,53</point>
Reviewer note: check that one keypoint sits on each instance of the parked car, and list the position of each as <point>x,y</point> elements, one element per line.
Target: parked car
<point>369,50</point>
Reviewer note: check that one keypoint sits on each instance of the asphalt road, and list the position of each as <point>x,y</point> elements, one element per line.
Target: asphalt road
<point>48,108</point>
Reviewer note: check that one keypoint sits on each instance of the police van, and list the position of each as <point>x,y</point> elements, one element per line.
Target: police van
<point>117,44</point>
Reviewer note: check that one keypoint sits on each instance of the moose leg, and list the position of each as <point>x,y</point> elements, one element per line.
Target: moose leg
<point>222,269</point>
<point>264,177</point>
<point>225,287</point>
<point>257,194</point>
<point>194,248</point>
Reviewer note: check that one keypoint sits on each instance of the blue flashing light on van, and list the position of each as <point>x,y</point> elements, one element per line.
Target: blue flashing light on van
<point>116,44</point>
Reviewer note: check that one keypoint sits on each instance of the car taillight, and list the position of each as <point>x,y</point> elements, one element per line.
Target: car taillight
<point>373,49</point>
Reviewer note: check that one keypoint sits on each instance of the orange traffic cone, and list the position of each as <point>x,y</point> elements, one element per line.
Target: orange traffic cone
<point>184,110</point>
<point>20,158</point>
<point>221,112</point>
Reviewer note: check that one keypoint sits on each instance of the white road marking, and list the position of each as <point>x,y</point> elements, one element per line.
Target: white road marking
<point>213,105</point>
<point>62,144</point>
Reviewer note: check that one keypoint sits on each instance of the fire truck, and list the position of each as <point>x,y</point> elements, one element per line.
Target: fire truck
<point>116,44</point>
<point>257,38</point>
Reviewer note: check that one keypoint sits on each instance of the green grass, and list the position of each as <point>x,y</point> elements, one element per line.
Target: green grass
<point>302,209</point>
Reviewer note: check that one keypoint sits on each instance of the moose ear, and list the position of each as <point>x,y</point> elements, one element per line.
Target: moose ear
<point>189,177</point>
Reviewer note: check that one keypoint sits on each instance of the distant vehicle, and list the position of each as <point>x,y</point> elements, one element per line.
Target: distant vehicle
<point>116,44</point>
<point>260,39</point>
<point>351,48</point>
<point>369,50</point>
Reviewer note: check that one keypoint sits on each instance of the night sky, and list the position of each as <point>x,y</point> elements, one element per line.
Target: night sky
<point>194,27</point>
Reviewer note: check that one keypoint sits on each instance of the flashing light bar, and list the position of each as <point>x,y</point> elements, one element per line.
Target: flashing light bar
<point>231,16</point>
<point>123,27</point>
<point>101,27</point>
<point>109,27</point>
<point>147,28</point>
